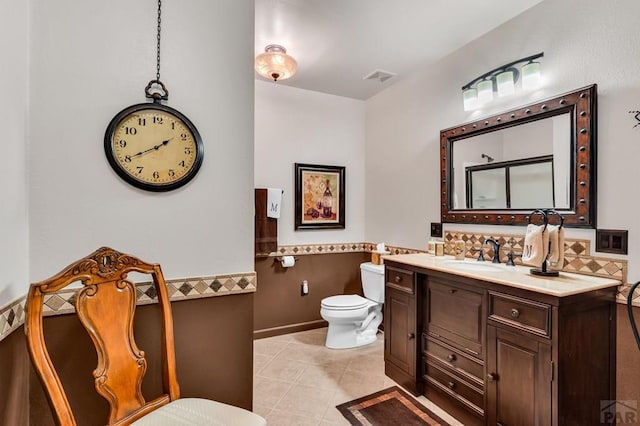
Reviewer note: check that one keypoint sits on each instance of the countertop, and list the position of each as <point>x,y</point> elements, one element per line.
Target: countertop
<point>566,284</point>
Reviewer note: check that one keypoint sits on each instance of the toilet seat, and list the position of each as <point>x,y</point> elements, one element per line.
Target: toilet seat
<point>345,302</point>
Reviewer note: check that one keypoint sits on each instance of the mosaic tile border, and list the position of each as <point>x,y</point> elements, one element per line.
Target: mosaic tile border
<point>62,302</point>
<point>11,317</point>
<point>302,249</point>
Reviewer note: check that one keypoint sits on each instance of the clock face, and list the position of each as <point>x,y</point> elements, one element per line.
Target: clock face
<point>153,147</point>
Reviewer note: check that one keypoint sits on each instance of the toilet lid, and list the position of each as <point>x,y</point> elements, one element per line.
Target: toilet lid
<point>347,301</point>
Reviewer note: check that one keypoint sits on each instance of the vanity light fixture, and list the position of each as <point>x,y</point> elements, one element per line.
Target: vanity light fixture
<point>502,80</point>
<point>275,64</point>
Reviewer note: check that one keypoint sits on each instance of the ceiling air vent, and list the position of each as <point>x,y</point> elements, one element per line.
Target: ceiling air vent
<point>379,75</point>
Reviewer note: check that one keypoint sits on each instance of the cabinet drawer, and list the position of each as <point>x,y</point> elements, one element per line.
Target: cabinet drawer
<point>455,315</point>
<point>438,352</point>
<point>524,314</point>
<point>400,279</point>
<point>453,385</point>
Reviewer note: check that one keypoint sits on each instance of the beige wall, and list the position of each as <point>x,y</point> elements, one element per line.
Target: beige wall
<point>88,61</point>
<point>14,228</point>
<point>301,126</point>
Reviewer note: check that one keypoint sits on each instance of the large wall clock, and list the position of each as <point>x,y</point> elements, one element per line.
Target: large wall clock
<point>153,147</point>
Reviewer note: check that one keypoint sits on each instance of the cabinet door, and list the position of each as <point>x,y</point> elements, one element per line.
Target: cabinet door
<point>519,375</point>
<point>400,330</point>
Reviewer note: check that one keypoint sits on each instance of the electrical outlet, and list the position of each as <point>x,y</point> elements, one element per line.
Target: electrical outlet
<point>304,288</point>
<point>436,229</point>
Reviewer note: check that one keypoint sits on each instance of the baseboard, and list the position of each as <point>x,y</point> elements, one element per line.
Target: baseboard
<point>290,328</point>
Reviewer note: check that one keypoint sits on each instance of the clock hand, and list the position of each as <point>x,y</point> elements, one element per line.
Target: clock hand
<point>153,148</point>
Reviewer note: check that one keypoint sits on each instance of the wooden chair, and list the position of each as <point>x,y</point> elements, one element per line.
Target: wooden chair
<point>105,306</point>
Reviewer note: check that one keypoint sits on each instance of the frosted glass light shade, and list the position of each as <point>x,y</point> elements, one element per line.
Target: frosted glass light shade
<point>275,64</point>
<point>531,76</point>
<point>506,85</point>
<point>470,99</point>
<point>485,91</point>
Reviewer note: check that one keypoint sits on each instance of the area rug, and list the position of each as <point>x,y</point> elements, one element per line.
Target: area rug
<point>392,407</point>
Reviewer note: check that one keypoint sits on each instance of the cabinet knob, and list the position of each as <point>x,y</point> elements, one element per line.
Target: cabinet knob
<point>451,357</point>
<point>398,279</point>
<point>515,313</point>
<point>492,377</point>
<point>452,290</point>
<point>411,336</point>
<point>451,385</point>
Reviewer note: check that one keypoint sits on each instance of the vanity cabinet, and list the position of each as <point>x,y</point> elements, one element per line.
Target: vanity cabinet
<point>494,354</point>
<point>401,328</point>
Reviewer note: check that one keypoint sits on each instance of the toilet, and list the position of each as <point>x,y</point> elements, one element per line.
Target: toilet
<point>354,320</point>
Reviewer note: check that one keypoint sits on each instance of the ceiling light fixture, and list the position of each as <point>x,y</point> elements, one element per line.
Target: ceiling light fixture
<point>503,81</point>
<point>275,64</point>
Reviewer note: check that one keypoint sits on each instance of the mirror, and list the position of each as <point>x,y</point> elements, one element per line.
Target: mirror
<point>499,169</point>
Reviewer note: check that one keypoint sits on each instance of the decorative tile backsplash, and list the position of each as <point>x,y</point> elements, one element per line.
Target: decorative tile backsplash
<point>577,253</point>
<point>62,302</point>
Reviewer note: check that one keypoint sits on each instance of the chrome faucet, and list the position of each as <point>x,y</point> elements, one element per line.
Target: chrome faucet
<point>496,249</point>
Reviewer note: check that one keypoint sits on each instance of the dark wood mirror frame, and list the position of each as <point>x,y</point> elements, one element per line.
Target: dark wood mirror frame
<point>581,106</point>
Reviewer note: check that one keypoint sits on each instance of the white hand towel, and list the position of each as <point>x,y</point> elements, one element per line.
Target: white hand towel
<point>553,244</point>
<point>274,200</point>
<point>536,243</point>
<point>556,251</point>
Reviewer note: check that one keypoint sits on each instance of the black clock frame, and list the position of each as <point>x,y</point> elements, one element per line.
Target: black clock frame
<point>108,141</point>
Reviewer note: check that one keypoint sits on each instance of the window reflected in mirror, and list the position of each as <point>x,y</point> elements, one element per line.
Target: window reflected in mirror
<point>520,184</point>
<point>515,167</point>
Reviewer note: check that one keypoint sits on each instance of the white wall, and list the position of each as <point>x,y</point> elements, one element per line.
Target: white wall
<point>584,42</point>
<point>14,254</point>
<point>301,126</point>
<point>89,60</point>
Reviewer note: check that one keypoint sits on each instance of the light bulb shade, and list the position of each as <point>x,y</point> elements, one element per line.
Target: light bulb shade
<point>275,64</point>
<point>485,91</point>
<point>531,76</point>
<point>470,99</point>
<point>505,83</point>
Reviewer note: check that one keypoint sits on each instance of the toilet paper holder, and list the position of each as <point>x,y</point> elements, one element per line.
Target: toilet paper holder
<point>279,259</point>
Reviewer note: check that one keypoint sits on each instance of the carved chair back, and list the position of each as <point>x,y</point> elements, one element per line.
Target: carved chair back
<point>105,305</point>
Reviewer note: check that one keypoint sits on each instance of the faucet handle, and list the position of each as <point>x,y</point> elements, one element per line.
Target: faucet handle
<point>510,257</point>
<point>481,255</point>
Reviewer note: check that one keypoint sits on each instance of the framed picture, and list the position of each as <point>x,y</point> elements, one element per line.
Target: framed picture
<point>319,197</point>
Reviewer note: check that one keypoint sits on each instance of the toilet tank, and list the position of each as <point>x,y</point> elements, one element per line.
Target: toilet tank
<point>372,281</point>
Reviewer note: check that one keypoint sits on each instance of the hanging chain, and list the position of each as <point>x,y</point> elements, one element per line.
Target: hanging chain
<point>155,89</point>
<point>158,37</point>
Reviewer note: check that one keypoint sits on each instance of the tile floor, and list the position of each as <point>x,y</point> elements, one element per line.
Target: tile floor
<point>298,381</point>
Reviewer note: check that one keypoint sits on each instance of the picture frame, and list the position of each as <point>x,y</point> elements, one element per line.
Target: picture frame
<point>315,207</point>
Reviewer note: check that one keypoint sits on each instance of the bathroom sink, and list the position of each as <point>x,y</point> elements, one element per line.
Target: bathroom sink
<point>471,266</point>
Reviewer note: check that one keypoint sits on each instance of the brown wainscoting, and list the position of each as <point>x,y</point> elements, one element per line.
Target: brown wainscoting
<point>279,306</point>
<point>628,358</point>
<point>14,379</point>
<point>214,352</point>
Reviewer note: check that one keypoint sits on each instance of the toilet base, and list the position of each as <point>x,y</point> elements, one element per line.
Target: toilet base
<point>352,335</point>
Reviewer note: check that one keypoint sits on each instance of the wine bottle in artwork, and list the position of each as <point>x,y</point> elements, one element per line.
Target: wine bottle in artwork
<point>327,201</point>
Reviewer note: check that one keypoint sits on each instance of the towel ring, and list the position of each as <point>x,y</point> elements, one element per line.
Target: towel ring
<point>545,218</point>
<point>552,211</point>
